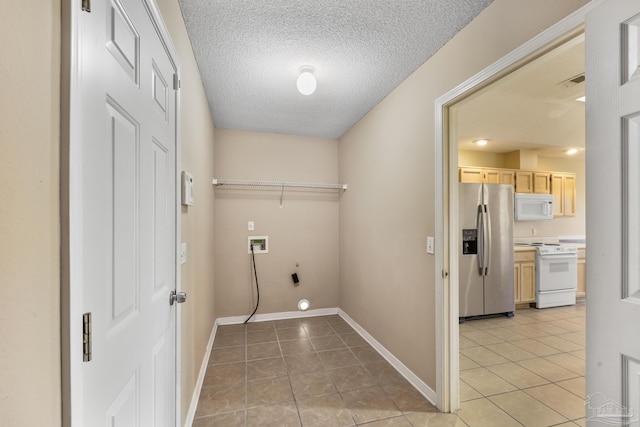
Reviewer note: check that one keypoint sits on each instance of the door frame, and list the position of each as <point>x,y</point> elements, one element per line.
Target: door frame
<point>71,212</point>
<point>446,180</point>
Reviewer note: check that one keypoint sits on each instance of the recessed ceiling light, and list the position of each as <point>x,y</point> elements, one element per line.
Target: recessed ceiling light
<point>481,142</point>
<point>582,99</point>
<point>572,151</point>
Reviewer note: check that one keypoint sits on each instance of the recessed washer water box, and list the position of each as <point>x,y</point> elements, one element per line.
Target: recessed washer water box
<point>260,244</point>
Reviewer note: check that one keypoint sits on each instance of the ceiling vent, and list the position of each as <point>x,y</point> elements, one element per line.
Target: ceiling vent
<point>573,80</point>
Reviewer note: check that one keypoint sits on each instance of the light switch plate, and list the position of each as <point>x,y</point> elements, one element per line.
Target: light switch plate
<point>251,226</point>
<point>183,253</point>
<point>430,245</point>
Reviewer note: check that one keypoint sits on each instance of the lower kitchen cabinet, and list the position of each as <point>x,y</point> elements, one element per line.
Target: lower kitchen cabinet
<point>581,292</point>
<point>525,276</point>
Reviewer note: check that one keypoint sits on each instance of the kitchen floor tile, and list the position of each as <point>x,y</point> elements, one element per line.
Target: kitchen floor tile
<point>484,413</point>
<point>548,370</point>
<point>526,410</point>
<point>483,356</point>
<point>560,400</point>
<point>517,375</point>
<point>485,381</point>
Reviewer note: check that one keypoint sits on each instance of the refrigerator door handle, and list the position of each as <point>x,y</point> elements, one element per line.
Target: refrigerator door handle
<point>487,224</point>
<point>480,244</point>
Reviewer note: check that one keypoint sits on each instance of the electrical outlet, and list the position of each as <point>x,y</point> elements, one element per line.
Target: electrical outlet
<point>260,244</point>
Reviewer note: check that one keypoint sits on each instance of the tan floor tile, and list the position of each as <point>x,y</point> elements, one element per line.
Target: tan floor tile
<point>260,327</point>
<point>466,342</point>
<point>510,351</point>
<point>483,356</point>
<point>390,422</point>
<point>286,323</point>
<point>352,378</point>
<point>268,391</point>
<point>527,331</point>
<point>529,412</point>
<point>263,351</point>
<point>311,384</point>
<point>229,340</point>
<point>550,328</point>
<point>547,370</point>
<point>370,404</point>
<point>257,337</point>
<point>225,374</point>
<point>483,413</point>
<point>265,368</point>
<point>506,334</point>
<point>485,381</point>
<point>220,399</point>
<point>299,346</point>
<point>231,329</point>
<point>517,375</point>
<point>575,386</point>
<point>329,342</point>
<point>467,392</point>
<point>407,398</point>
<point>559,343</point>
<point>306,362</point>
<point>482,337</point>
<point>570,325</point>
<point>342,328</point>
<point>291,333</point>
<point>574,337</point>
<point>384,373</point>
<point>366,354</point>
<point>280,415</point>
<point>466,327</point>
<point>227,355</point>
<point>353,340</point>
<point>536,347</point>
<point>560,400</point>
<point>466,363</point>
<point>328,410</point>
<point>319,330</point>
<point>569,362</point>
<point>581,422</point>
<point>580,354</point>
<point>434,419</point>
<point>231,419</point>
<point>338,358</point>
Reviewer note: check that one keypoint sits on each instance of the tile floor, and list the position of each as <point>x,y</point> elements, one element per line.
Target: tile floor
<point>317,371</point>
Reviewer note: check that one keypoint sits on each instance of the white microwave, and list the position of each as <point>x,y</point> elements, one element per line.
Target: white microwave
<point>533,207</point>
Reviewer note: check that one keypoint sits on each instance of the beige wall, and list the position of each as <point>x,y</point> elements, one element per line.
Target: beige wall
<point>29,214</point>
<point>386,277</point>
<point>198,314</point>
<point>303,231</point>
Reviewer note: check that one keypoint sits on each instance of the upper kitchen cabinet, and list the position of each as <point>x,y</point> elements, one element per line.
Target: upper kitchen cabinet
<point>486,175</point>
<point>563,189</point>
<point>533,182</point>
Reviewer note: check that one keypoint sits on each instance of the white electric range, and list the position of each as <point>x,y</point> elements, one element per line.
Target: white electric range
<point>556,274</point>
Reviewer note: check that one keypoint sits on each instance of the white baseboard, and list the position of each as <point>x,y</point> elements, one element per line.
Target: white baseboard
<point>203,370</point>
<point>420,385</point>
<point>278,316</point>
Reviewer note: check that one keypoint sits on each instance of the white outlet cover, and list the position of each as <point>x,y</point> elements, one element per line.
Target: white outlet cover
<point>430,245</point>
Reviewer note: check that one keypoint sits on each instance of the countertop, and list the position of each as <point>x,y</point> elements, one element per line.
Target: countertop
<point>518,248</point>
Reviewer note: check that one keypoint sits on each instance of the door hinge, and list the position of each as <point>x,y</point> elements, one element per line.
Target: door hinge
<point>176,82</point>
<point>86,337</point>
<point>86,6</point>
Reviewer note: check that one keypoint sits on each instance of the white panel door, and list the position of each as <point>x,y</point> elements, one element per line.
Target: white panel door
<point>613,208</point>
<point>127,187</point>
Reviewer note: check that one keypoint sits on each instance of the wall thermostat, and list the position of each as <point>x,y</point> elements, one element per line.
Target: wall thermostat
<point>187,188</point>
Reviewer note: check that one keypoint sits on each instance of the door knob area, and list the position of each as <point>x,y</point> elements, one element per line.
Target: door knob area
<point>178,297</point>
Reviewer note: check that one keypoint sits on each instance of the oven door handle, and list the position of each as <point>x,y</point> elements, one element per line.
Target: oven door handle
<point>557,257</point>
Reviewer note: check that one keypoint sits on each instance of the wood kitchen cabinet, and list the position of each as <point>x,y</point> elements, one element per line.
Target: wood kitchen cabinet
<point>581,291</point>
<point>485,175</point>
<point>563,189</point>
<point>525,277</point>
<point>533,182</point>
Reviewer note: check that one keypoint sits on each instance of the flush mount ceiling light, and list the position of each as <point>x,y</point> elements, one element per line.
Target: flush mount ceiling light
<point>306,82</point>
<point>303,305</point>
<point>481,142</point>
<point>571,151</point>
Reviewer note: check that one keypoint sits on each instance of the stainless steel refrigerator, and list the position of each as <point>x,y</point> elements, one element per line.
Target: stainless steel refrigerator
<point>486,267</point>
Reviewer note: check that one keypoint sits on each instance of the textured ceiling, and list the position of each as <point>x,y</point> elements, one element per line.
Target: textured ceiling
<point>249,53</point>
